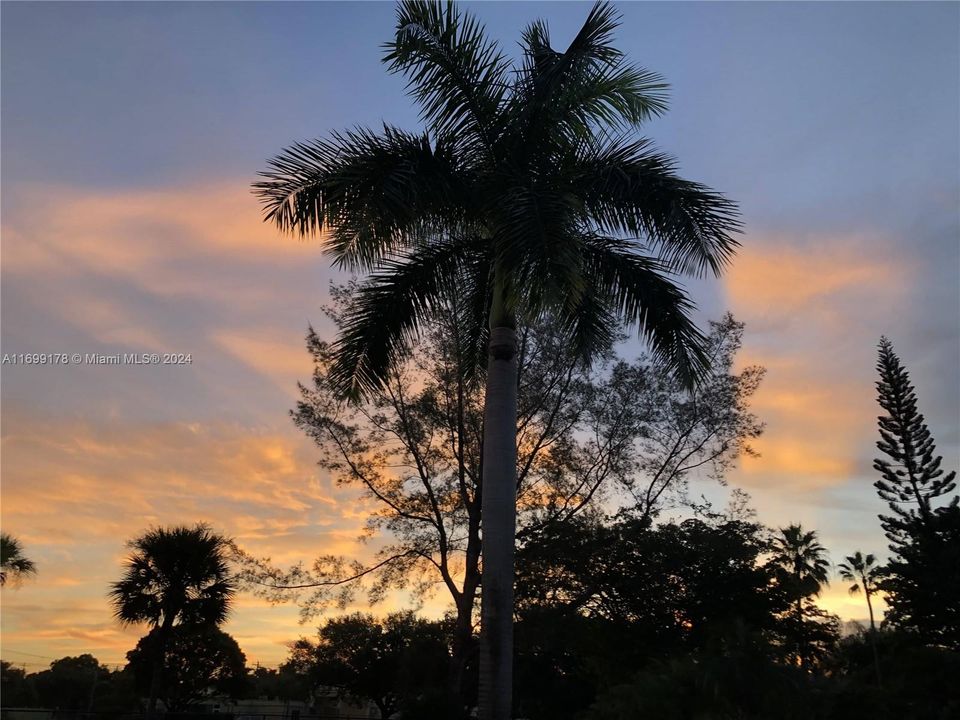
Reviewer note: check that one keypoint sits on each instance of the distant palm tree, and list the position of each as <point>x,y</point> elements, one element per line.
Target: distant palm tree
<point>173,576</point>
<point>13,564</point>
<point>529,194</point>
<point>803,562</point>
<point>864,573</point>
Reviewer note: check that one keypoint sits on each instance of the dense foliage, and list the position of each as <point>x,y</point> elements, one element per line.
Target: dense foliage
<point>399,663</point>
<point>200,662</point>
<point>70,683</point>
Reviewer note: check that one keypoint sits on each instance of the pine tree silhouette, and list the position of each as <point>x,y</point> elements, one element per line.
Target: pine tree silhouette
<point>912,477</point>
<point>921,580</point>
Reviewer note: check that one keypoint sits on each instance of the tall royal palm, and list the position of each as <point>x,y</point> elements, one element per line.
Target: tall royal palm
<point>528,193</point>
<point>176,576</point>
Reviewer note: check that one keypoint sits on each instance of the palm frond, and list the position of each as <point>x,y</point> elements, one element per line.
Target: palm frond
<point>641,293</point>
<point>798,553</point>
<point>472,311</point>
<point>628,188</point>
<point>591,325</point>
<point>588,85</point>
<point>178,573</point>
<point>371,192</point>
<point>13,563</point>
<point>388,310</point>
<point>536,239</point>
<point>454,72</point>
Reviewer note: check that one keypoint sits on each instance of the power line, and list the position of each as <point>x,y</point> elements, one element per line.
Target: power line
<point>109,663</point>
<point>21,652</point>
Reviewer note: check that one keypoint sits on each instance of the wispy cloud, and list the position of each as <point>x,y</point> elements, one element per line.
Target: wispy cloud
<point>815,307</point>
<point>95,455</point>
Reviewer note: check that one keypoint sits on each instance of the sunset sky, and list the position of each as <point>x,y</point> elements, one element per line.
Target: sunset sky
<point>131,133</point>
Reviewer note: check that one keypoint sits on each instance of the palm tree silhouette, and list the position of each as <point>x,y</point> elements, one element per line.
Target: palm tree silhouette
<point>803,569</point>
<point>173,576</point>
<point>528,194</point>
<point>14,565</point>
<point>863,572</point>
<point>803,559</point>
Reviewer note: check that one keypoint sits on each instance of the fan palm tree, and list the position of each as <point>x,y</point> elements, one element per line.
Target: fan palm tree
<point>863,571</point>
<point>176,576</point>
<point>528,194</point>
<point>14,565</point>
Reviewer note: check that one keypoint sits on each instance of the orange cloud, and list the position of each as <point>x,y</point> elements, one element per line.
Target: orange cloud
<point>81,467</point>
<point>814,308</point>
<point>114,230</point>
<point>808,280</point>
<point>281,359</point>
<point>195,270</point>
<point>108,452</point>
<point>75,491</point>
<point>206,244</point>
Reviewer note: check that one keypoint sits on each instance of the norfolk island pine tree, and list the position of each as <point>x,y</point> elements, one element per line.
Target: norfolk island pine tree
<point>925,521</point>
<point>530,193</point>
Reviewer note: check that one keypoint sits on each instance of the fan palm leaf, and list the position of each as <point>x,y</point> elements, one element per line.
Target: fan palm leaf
<point>389,307</point>
<point>14,565</point>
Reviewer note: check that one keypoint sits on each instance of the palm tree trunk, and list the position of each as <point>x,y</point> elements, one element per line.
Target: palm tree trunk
<point>499,511</point>
<point>873,635</point>
<point>800,639</point>
<point>159,659</point>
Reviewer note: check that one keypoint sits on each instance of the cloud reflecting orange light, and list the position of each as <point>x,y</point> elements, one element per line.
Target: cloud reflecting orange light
<point>814,308</point>
<point>75,491</point>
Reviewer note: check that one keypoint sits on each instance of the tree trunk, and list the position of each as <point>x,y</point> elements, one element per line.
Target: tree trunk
<point>499,511</point>
<point>462,641</point>
<point>801,641</point>
<point>873,635</point>
<point>159,659</point>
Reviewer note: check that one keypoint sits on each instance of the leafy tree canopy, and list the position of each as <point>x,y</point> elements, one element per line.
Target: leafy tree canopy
<point>391,663</point>
<point>591,437</point>
<point>200,661</point>
<point>174,575</point>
